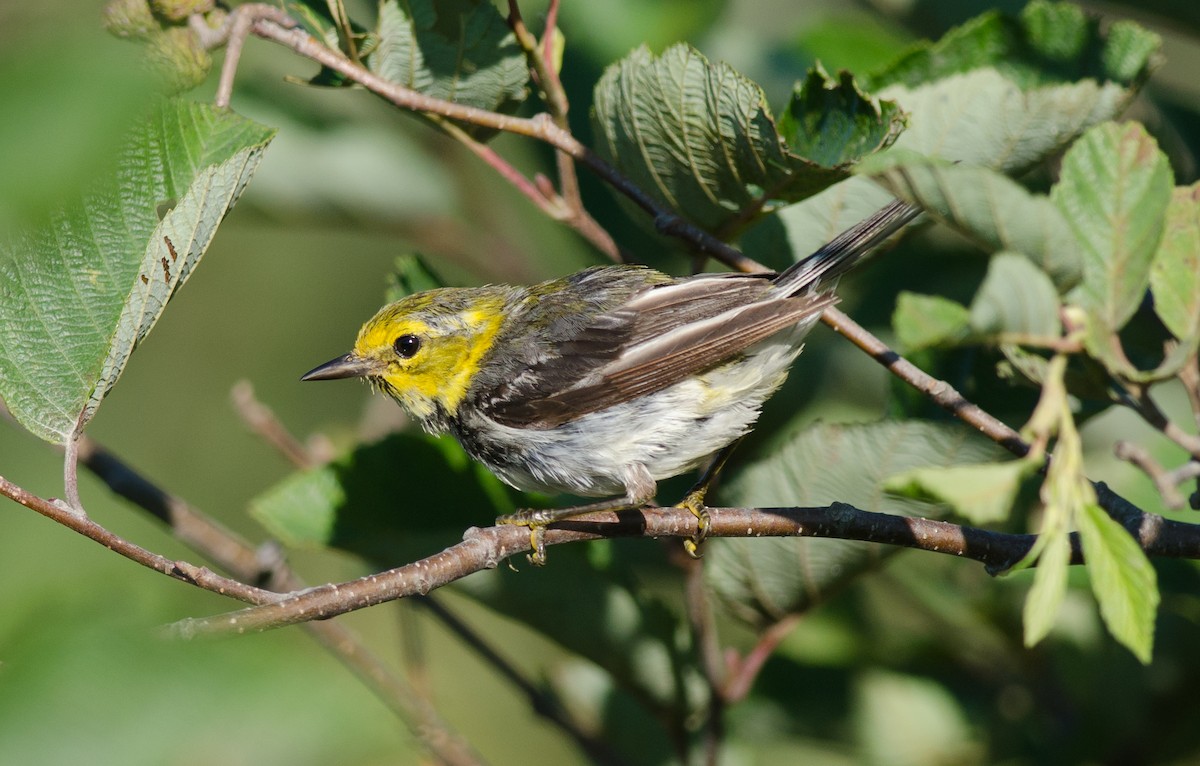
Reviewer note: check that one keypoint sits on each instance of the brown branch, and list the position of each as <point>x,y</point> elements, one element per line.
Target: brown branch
<point>236,556</point>
<point>486,548</point>
<point>743,672</point>
<point>939,391</point>
<point>1166,482</point>
<point>1143,404</point>
<point>261,420</point>
<point>270,24</point>
<point>71,518</point>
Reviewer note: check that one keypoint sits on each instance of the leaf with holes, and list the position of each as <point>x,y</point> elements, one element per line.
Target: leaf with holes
<point>80,293</point>
<point>700,136</point>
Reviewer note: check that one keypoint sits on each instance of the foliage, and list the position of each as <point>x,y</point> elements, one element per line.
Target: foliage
<point>1074,273</point>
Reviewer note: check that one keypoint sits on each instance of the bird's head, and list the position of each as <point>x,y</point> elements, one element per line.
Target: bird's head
<point>425,349</point>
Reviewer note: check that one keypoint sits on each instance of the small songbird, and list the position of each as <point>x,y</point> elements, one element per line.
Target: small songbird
<point>603,382</point>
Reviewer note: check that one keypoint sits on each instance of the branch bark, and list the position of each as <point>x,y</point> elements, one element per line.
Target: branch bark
<point>486,548</point>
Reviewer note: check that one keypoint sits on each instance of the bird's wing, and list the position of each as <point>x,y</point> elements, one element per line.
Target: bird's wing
<point>657,338</point>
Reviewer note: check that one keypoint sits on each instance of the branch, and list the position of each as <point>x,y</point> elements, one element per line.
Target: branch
<point>272,24</point>
<point>71,518</point>
<point>486,548</point>
<point>235,555</point>
<point>941,392</point>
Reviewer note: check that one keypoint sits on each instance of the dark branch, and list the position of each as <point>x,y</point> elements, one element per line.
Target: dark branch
<point>486,548</point>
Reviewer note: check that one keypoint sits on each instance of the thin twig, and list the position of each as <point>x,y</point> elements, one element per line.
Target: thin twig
<point>261,420</point>
<point>1167,482</point>
<point>743,673</point>
<point>236,556</point>
<point>180,570</point>
<point>939,391</point>
<point>1189,376</point>
<point>1142,403</point>
<point>541,127</point>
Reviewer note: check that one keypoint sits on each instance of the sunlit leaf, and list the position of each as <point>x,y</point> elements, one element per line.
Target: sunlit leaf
<point>1175,273</point>
<point>1123,580</point>
<point>985,206</point>
<point>1113,192</point>
<point>1016,299</point>
<point>79,294</point>
<point>981,493</point>
<point>1049,585</point>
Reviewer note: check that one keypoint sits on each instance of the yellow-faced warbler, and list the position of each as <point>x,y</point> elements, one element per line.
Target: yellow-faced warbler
<point>603,382</point>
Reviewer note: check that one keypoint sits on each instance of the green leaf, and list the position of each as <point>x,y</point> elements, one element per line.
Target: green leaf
<point>455,50</point>
<point>79,294</point>
<point>905,720</point>
<point>1175,272</point>
<point>985,206</point>
<point>832,123</point>
<point>983,118</point>
<point>1123,580</point>
<point>354,503</point>
<point>1016,299</point>
<point>925,321</point>
<point>763,580</point>
<point>1049,585</point>
<point>1046,43</point>
<point>982,493</point>
<point>1113,192</point>
<point>700,136</point>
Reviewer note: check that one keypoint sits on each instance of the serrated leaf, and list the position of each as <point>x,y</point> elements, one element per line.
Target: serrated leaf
<point>985,206</point>
<point>355,503</point>
<point>983,118</point>
<point>1175,272</point>
<point>1046,43</point>
<point>925,321</point>
<point>700,136</point>
<point>455,50</point>
<point>833,123</point>
<point>1123,580</point>
<point>79,294</point>
<point>1113,192</point>
<point>1016,299</point>
<point>982,493</point>
<point>1049,585</point>
<point>763,580</point>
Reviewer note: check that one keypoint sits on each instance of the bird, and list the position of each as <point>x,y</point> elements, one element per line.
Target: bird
<point>603,382</point>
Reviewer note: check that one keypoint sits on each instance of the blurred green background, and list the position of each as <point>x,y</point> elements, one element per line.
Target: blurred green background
<point>914,664</point>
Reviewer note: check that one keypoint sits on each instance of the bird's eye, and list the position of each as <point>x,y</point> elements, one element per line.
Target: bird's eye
<point>407,346</point>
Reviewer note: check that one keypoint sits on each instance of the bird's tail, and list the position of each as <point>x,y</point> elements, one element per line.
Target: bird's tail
<point>844,251</point>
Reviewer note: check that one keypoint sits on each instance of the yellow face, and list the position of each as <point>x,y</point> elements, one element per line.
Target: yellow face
<point>425,349</point>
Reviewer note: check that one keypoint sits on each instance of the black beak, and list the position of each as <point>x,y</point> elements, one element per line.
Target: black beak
<point>348,366</point>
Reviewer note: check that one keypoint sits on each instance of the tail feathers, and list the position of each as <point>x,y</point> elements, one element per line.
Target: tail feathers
<point>844,251</point>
